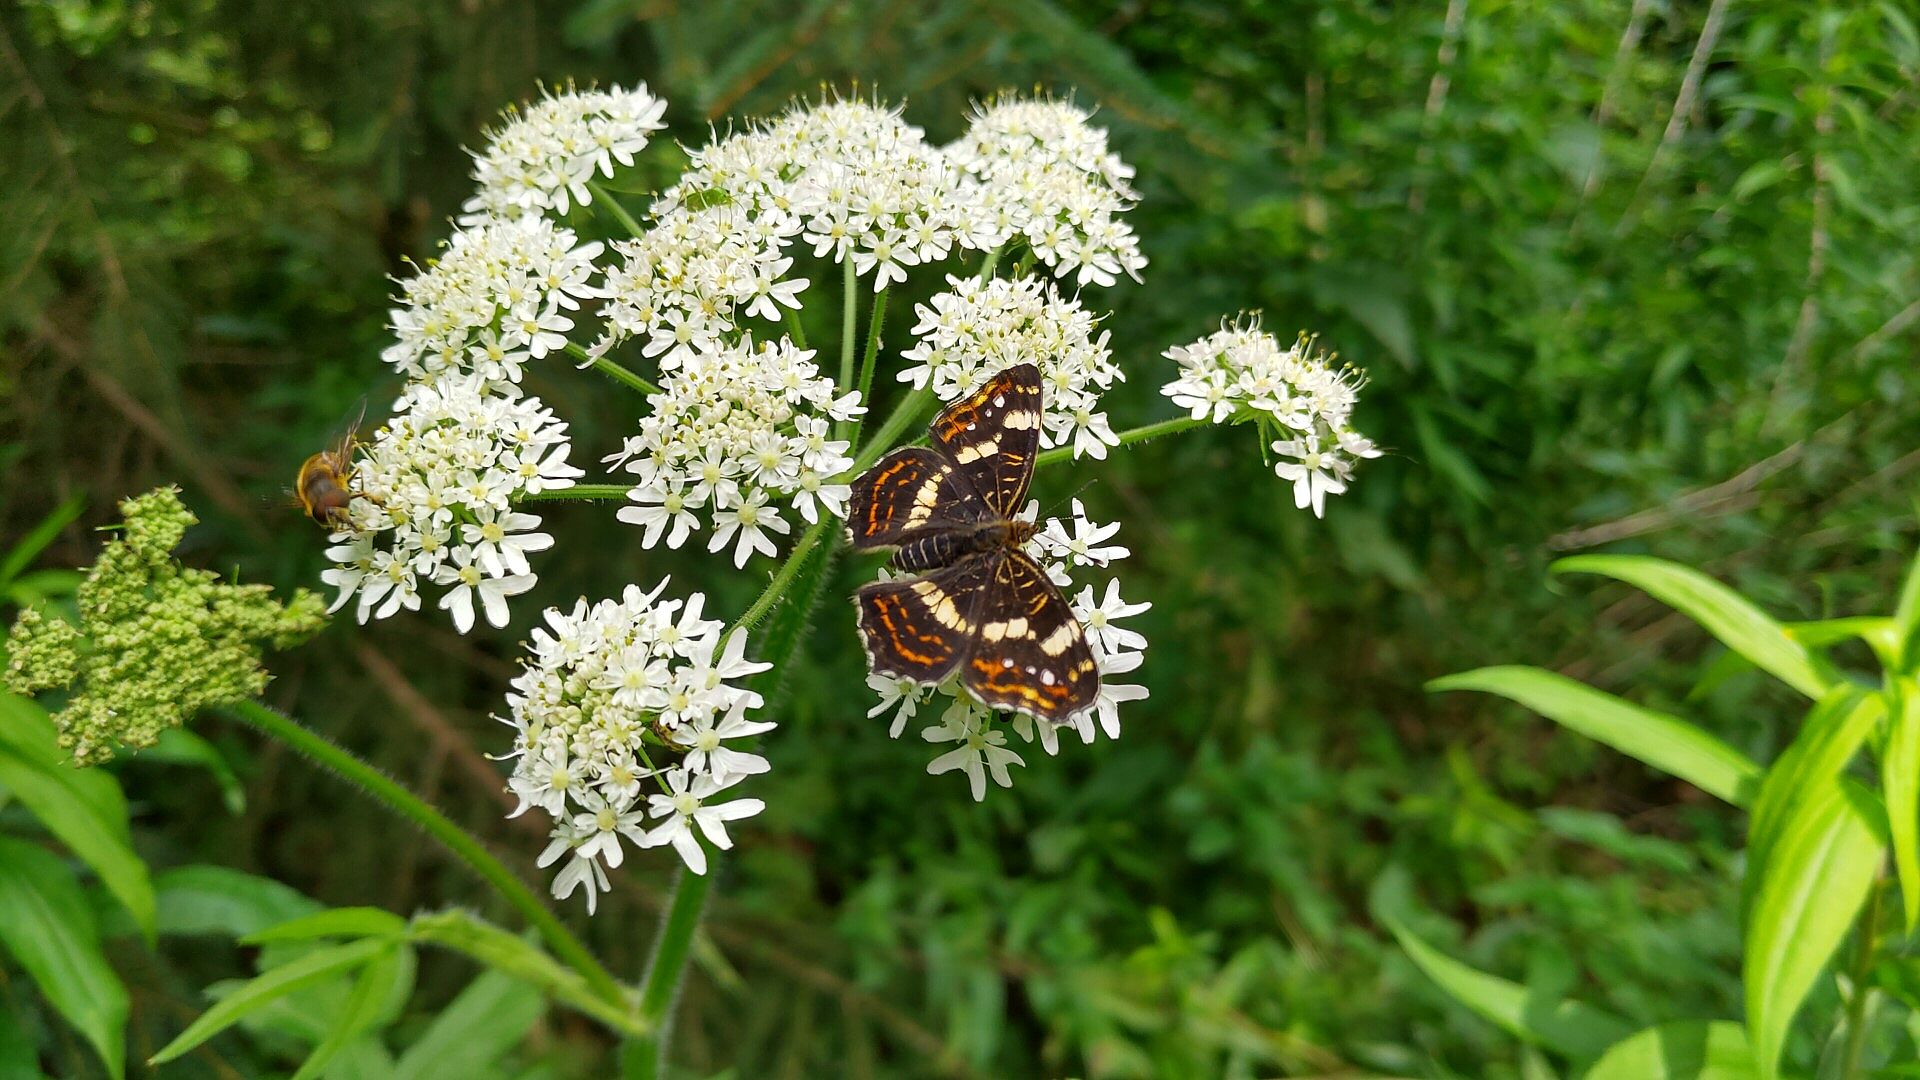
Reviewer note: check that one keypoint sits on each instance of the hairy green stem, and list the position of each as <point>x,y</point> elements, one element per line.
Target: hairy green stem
<point>610,369</point>
<point>1127,438</point>
<point>463,844</point>
<point>849,314</point>
<point>603,197</point>
<point>874,323</point>
<point>783,577</point>
<point>889,432</point>
<point>794,330</point>
<point>645,1056</point>
<point>577,493</point>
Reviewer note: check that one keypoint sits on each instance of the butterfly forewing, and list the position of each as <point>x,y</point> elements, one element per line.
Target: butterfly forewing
<point>909,492</point>
<point>920,628</point>
<point>993,434</point>
<point>1029,651</point>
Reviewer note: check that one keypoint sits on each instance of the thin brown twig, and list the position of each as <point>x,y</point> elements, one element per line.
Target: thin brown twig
<point>1603,112</point>
<point>1437,88</point>
<point>441,732</point>
<point>1682,108</point>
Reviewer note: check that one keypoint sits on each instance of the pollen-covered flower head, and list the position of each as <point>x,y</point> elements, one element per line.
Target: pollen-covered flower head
<point>977,328</point>
<point>696,276</point>
<point>1069,549</point>
<point>622,716</point>
<point>496,297</point>
<point>433,501</point>
<point>1037,170</point>
<point>541,158</point>
<point>156,641</point>
<point>737,438</point>
<point>1301,401</point>
<point>864,184</point>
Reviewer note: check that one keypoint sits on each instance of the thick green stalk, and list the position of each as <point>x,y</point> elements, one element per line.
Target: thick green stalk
<point>896,425</point>
<point>645,1057</point>
<point>463,844</point>
<point>604,198</point>
<point>578,493</point>
<point>783,577</point>
<point>1127,438</point>
<point>874,323</point>
<point>610,369</point>
<point>794,330</point>
<point>849,315</point>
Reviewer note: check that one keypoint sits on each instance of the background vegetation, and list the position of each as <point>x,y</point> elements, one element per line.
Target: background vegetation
<point>1636,276</point>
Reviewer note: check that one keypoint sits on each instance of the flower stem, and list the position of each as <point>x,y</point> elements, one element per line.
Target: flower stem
<point>783,577</point>
<point>849,314</point>
<point>604,197</point>
<point>578,493</point>
<point>1127,438</point>
<point>794,330</point>
<point>897,422</point>
<point>867,361</point>
<point>610,369</point>
<point>460,842</point>
<point>645,1055</point>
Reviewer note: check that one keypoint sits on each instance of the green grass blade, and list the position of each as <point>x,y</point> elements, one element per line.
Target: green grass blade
<point>46,924</point>
<point>1683,1050</point>
<point>267,987</point>
<point>1900,783</point>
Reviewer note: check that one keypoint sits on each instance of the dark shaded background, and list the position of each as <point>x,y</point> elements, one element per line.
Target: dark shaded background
<point>1637,275</point>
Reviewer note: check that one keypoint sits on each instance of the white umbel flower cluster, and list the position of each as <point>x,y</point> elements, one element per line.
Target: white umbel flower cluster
<point>864,184</point>
<point>540,160</point>
<point>980,747</point>
<point>979,327</point>
<point>1039,171</point>
<point>434,506</point>
<point>1241,373</point>
<point>690,283</point>
<point>498,296</point>
<point>738,435</point>
<point>621,720</point>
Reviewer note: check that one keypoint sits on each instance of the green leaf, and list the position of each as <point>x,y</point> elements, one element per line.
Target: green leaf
<point>354,922</point>
<point>1810,891</point>
<point>1665,742</point>
<point>1900,784</point>
<point>1906,621</point>
<point>217,900</point>
<point>52,793</point>
<point>22,554</point>
<point>265,988</point>
<point>178,746</point>
<point>1683,1050</point>
<point>47,926</point>
<point>1829,738</point>
<point>362,1009</point>
<point>27,730</point>
<point>1569,1027</point>
<point>475,1030</point>
<point>505,952</point>
<point>1727,615</point>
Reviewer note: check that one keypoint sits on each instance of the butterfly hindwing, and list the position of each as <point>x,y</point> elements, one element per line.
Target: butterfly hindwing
<point>911,490</point>
<point>993,435</point>
<point>921,628</point>
<point>1029,651</point>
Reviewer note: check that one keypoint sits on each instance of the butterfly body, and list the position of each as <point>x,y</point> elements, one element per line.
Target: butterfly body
<point>980,606</point>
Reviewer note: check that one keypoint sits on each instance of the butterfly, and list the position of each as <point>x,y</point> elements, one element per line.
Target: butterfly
<point>977,601</point>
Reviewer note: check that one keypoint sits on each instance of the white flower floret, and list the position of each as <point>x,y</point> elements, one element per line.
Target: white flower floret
<point>684,808</point>
<point>542,157</point>
<point>982,749</point>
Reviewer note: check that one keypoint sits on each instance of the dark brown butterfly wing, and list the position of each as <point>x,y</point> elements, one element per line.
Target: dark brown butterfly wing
<point>911,491</point>
<point>993,435</point>
<point>1029,652</point>
<point>920,628</point>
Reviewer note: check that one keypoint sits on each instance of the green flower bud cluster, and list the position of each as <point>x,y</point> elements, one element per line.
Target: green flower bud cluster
<point>156,642</point>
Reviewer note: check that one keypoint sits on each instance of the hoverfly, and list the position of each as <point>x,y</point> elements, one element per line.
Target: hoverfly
<point>324,485</point>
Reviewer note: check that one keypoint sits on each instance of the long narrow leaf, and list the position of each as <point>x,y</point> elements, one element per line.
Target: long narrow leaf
<point>1569,1027</point>
<point>47,791</point>
<point>226,902</point>
<point>475,1030</point>
<point>1665,742</point>
<point>1684,1050</point>
<point>503,951</point>
<point>361,1011</point>
<point>22,554</point>
<point>353,922</point>
<point>1900,783</point>
<point>1810,892</point>
<point>1906,621</point>
<point>47,926</point>
<point>267,987</point>
<point>1735,620</point>
<point>1833,732</point>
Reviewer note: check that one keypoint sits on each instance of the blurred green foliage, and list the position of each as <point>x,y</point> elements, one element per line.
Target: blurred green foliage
<point>1638,274</point>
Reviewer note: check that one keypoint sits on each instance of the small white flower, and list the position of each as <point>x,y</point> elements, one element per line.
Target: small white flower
<point>904,693</point>
<point>685,809</point>
<point>982,750</point>
<point>1099,619</point>
<point>1083,545</point>
<point>705,754</point>
<point>541,159</point>
<point>469,582</point>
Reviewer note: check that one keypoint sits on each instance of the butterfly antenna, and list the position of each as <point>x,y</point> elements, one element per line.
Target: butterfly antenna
<point>1047,512</point>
